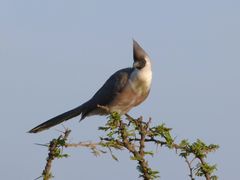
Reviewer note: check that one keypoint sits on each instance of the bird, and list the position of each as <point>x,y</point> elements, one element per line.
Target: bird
<point>122,91</point>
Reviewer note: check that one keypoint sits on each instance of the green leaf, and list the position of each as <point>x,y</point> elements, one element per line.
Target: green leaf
<point>136,158</point>
<point>102,128</point>
<point>149,153</point>
<point>114,157</point>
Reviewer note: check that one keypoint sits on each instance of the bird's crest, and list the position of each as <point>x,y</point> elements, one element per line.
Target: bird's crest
<point>138,52</point>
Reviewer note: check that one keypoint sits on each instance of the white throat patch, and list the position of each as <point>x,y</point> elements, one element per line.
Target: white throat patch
<point>140,80</point>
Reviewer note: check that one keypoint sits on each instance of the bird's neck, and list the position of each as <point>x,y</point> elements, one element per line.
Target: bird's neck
<point>141,78</point>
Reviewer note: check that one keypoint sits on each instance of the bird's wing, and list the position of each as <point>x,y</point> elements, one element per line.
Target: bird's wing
<point>107,93</point>
<point>114,85</point>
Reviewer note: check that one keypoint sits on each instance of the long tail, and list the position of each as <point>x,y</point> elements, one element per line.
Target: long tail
<point>58,119</point>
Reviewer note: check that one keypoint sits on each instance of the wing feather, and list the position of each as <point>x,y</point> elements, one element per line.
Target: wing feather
<point>106,94</point>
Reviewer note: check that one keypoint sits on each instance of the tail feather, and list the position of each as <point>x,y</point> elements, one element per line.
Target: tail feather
<point>58,119</point>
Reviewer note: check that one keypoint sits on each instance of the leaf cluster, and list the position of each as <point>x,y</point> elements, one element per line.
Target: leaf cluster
<point>133,134</point>
<point>198,151</point>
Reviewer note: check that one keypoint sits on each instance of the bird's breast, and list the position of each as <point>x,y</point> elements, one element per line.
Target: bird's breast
<point>140,80</point>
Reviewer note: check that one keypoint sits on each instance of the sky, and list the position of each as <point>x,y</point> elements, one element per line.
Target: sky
<point>55,54</point>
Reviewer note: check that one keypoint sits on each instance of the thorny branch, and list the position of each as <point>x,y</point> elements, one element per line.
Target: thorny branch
<point>133,134</point>
<point>189,164</point>
<point>54,152</point>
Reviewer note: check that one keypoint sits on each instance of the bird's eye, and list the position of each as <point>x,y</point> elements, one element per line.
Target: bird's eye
<point>139,64</point>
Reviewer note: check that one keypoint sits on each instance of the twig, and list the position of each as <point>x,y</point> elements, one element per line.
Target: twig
<point>206,174</point>
<point>53,146</point>
<point>189,163</point>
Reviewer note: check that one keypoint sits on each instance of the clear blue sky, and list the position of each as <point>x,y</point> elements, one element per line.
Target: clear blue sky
<point>55,54</point>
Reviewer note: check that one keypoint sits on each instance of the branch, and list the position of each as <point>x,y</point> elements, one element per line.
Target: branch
<point>54,152</point>
<point>133,134</point>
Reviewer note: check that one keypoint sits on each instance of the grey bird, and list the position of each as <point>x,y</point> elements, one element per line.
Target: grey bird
<point>124,90</point>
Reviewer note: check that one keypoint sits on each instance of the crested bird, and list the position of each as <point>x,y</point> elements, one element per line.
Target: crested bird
<point>124,90</point>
